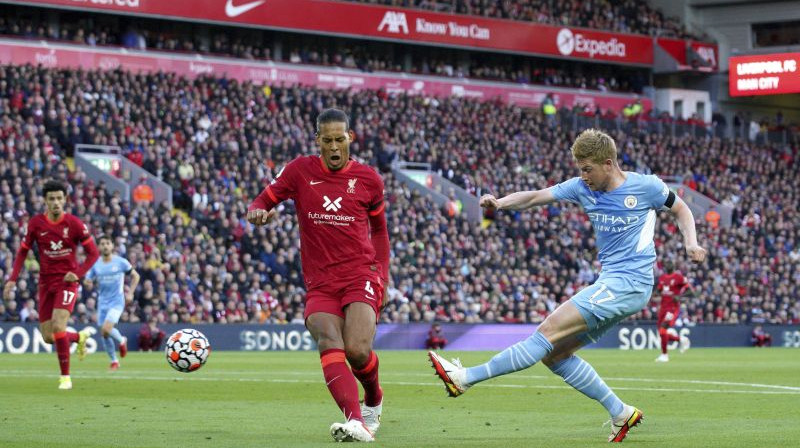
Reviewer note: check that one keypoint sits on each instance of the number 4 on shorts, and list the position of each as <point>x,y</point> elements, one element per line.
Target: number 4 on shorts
<point>369,290</point>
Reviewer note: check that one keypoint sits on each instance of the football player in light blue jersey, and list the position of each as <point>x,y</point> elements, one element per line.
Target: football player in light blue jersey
<point>109,273</point>
<point>621,206</point>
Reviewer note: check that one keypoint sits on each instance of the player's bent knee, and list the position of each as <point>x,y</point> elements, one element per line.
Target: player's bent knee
<point>357,355</point>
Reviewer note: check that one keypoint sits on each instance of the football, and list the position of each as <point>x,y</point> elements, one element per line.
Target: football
<point>187,350</point>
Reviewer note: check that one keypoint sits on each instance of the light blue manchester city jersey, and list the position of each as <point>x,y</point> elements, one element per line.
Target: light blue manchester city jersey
<point>110,279</point>
<point>624,222</point>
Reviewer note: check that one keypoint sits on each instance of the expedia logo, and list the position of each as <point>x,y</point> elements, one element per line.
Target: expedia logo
<point>332,206</point>
<point>569,42</point>
<point>395,22</point>
<point>565,41</point>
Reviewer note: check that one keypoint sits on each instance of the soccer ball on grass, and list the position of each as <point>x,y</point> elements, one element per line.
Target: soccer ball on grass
<point>187,350</point>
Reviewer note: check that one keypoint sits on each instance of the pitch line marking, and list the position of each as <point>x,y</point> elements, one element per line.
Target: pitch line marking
<point>789,390</point>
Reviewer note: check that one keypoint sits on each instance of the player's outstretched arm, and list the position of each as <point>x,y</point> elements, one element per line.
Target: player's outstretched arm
<point>259,216</point>
<point>520,200</point>
<point>686,224</point>
<point>132,287</point>
<point>19,262</point>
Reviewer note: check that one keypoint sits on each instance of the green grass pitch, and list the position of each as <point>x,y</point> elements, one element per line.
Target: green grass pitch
<point>706,397</point>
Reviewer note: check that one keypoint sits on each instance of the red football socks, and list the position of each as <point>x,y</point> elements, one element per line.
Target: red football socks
<point>666,338</point>
<point>368,376</point>
<point>341,382</point>
<point>63,342</point>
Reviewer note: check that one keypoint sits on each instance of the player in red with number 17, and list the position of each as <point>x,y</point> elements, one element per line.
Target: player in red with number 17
<point>671,286</point>
<point>58,235</point>
<point>344,247</point>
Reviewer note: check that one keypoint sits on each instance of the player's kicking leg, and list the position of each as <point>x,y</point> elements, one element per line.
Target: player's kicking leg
<point>623,423</point>
<point>452,374</point>
<point>565,321</point>
<point>581,375</point>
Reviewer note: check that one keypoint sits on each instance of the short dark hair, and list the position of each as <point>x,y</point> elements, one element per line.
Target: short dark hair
<point>333,115</point>
<point>104,236</point>
<point>54,185</point>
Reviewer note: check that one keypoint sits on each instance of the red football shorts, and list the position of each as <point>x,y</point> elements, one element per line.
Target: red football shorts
<point>668,314</point>
<point>56,294</point>
<point>335,295</point>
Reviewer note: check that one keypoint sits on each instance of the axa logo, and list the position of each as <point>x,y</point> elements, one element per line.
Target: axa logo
<point>56,246</point>
<point>332,206</point>
<point>395,22</point>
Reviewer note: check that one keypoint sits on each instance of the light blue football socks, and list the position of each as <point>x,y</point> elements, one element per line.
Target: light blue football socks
<point>582,376</point>
<point>519,356</point>
<point>108,345</point>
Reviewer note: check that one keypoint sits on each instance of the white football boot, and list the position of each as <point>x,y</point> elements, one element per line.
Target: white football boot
<point>65,382</point>
<point>352,431</point>
<point>623,423</point>
<point>663,358</point>
<point>372,416</point>
<point>452,374</point>
<point>685,343</point>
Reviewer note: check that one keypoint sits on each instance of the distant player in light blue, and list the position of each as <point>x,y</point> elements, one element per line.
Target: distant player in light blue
<point>109,272</point>
<point>622,207</point>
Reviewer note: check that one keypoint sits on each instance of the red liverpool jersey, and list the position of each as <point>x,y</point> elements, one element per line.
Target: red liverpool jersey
<point>333,210</point>
<point>670,286</point>
<point>58,242</point>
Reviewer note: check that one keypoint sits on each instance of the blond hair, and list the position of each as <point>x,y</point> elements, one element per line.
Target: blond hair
<point>595,146</point>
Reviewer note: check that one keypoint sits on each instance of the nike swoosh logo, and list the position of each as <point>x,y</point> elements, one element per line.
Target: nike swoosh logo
<point>43,234</point>
<point>316,182</point>
<point>332,380</point>
<point>232,11</point>
<point>369,297</point>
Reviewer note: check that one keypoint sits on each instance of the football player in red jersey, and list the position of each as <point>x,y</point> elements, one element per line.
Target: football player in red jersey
<point>345,259</point>
<point>671,287</point>
<point>58,235</point>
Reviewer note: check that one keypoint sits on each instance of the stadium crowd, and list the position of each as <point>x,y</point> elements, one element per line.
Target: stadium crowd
<point>233,42</point>
<point>629,16</point>
<point>218,142</point>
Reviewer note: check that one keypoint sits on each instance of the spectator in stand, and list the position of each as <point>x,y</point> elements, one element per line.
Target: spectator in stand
<point>628,17</point>
<point>150,336</point>
<point>436,339</point>
<point>760,338</point>
<point>143,193</point>
<point>712,217</point>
